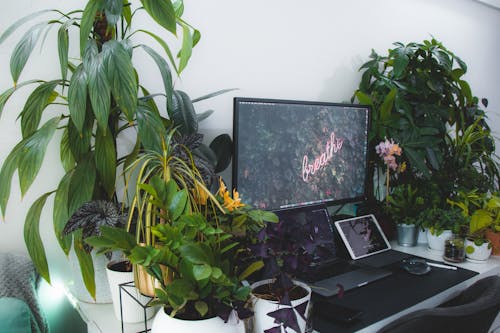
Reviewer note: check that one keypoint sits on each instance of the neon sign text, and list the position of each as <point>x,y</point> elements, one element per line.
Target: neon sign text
<point>332,147</point>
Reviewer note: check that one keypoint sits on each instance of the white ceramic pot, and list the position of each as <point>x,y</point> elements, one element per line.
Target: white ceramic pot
<point>78,289</point>
<point>436,242</point>
<point>132,311</point>
<point>262,307</point>
<point>422,236</point>
<point>164,323</point>
<point>477,253</point>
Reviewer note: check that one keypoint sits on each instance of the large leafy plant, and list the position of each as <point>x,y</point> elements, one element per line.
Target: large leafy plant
<point>419,98</point>
<point>97,97</point>
<point>195,240</point>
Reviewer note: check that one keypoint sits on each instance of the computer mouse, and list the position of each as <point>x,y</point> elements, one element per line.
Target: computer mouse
<point>416,266</point>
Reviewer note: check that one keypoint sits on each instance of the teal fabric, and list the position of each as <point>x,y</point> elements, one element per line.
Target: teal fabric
<point>15,316</point>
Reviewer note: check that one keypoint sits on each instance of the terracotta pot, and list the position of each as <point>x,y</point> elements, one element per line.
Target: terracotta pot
<point>494,238</point>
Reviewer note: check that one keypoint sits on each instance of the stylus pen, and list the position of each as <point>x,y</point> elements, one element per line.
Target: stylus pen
<point>442,266</point>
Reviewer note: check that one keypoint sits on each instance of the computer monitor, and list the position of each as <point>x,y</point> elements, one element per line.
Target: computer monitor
<point>293,153</point>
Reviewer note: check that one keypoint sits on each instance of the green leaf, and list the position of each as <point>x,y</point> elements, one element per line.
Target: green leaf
<point>177,205</point>
<point>20,22</point>
<point>187,47</point>
<point>204,115</point>
<point>164,45</point>
<point>77,97</point>
<point>99,91</point>
<point>60,212</point>
<point>113,11</point>
<point>32,152</point>
<point>202,272</point>
<point>213,94</point>
<point>150,127</point>
<point>183,114</point>
<point>387,104</point>
<point>4,97</point>
<point>79,143</point>
<point>82,183</point>
<point>23,49</point>
<point>252,268</point>
<point>9,166</point>
<point>121,76</point>
<point>105,161</point>
<point>201,307</point>
<point>195,254</point>
<point>63,46</point>
<point>86,264</point>
<point>87,22</point>
<point>35,105</point>
<point>165,74</point>
<point>127,12</point>
<point>363,98</point>
<point>32,237</point>
<point>401,61</point>
<point>162,12</point>
<point>222,146</point>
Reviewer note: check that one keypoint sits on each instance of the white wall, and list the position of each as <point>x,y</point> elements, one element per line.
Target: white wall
<point>289,49</point>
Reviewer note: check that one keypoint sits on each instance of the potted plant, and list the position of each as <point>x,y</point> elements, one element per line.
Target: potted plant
<point>196,242</point>
<point>98,97</point>
<point>441,224</point>
<point>418,95</point>
<point>280,302</point>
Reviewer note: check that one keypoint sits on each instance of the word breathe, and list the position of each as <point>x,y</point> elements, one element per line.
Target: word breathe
<point>332,147</point>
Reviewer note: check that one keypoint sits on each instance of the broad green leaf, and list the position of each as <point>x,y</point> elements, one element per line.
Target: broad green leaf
<point>196,37</point>
<point>363,98</point>
<point>480,219</point>
<point>63,46</point>
<point>20,22</point>
<point>195,254</point>
<point>165,47</point>
<point>77,97</point>
<point>9,166</point>
<point>23,49</point>
<point>178,204</point>
<point>165,74</point>
<point>121,77</point>
<point>204,115</point>
<point>99,91</point>
<point>466,91</point>
<point>35,105</point>
<point>149,127</point>
<point>183,114</point>
<point>222,146</point>
<point>87,22</point>
<point>32,153</point>
<point>201,307</point>
<point>105,161</point>
<point>387,104</point>
<point>417,160</point>
<point>178,7</point>
<point>162,12</point>
<point>4,97</point>
<point>32,237</point>
<point>202,272</point>
<point>91,51</point>
<point>60,212</point>
<point>86,264</point>
<point>127,12</point>
<point>113,11</point>
<point>187,47</point>
<point>81,185</point>
<point>79,142</point>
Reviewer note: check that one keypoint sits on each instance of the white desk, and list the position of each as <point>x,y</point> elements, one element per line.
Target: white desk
<point>101,319</point>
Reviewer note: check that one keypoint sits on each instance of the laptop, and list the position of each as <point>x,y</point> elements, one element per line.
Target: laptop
<point>330,272</point>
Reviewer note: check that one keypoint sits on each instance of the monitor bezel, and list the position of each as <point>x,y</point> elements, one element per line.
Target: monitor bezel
<point>329,202</point>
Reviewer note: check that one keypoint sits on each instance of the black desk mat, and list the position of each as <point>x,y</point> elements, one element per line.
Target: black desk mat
<point>388,296</point>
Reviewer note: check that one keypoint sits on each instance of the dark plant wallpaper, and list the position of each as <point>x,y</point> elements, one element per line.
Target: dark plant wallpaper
<point>290,154</point>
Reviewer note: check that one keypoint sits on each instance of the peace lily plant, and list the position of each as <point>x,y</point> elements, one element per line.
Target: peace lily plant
<point>96,98</point>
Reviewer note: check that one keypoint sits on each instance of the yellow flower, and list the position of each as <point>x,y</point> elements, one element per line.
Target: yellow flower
<point>222,188</point>
<point>229,203</point>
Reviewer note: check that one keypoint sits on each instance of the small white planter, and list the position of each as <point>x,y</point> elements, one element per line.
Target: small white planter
<point>477,253</point>
<point>132,311</point>
<point>422,236</point>
<point>262,307</point>
<point>436,242</point>
<point>164,323</point>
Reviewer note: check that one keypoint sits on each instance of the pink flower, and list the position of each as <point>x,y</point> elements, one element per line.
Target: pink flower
<point>386,150</point>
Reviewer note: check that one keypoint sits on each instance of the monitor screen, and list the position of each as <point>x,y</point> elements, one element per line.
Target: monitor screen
<point>293,153</point>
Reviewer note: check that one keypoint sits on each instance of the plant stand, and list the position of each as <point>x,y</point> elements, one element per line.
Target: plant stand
<point>126,291</point>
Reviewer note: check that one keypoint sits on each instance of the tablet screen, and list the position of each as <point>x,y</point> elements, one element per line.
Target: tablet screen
<point>362,236</point>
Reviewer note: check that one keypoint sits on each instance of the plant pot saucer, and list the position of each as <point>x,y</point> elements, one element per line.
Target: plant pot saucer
<point>475,261</point>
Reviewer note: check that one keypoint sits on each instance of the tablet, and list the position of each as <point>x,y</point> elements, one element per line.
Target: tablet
<point>362,236</point>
